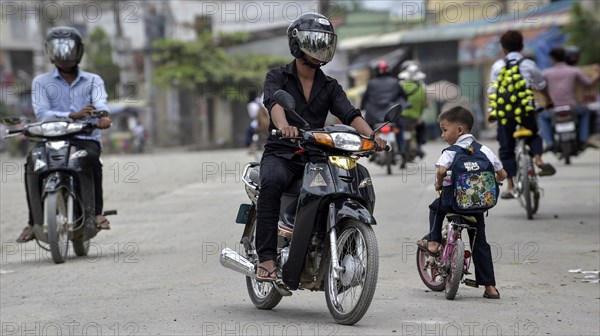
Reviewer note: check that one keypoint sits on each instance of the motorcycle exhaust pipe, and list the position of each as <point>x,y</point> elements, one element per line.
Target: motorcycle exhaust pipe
<point>234,261</point>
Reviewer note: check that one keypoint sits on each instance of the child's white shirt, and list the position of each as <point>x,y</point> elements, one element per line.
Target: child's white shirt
<point>464,141</point>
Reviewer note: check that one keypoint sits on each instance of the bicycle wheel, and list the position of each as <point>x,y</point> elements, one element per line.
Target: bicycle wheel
<point>429,271</point>
<point>525,165</point>
<point>456,270</point>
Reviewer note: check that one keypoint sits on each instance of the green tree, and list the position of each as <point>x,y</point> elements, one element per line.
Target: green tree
<point>204,67</point>
<point>581,29</point>
<point>98,53</point>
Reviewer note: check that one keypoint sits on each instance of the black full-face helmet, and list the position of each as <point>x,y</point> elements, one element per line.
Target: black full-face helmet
<point>64,44</point>
<point>312,34</point>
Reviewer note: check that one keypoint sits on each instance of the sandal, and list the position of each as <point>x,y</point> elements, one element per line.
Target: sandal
<point>491,296</point>
<point>423,245</point>
<point>546,170</point>
<point>26,235</point>
<point>268,278</point>
<point>102,223</point>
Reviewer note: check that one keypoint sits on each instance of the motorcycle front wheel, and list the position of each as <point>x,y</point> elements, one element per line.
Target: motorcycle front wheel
<point>262,294</point>
<point>55,210</point>
<point>349,296</point>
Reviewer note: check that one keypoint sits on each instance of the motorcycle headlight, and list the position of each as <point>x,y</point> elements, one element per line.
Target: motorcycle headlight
<point>51,129</point>
<point>54,128</point>
<point>344,141</point>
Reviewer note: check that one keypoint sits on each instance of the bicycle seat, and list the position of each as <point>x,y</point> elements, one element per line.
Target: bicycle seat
<point>522,132</point>
<point>459,218</point>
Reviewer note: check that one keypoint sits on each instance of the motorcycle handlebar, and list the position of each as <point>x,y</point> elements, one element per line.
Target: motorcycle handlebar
<point>98,113</point>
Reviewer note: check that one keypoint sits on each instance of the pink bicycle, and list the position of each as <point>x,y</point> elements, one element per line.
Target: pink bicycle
<point>445,272</point>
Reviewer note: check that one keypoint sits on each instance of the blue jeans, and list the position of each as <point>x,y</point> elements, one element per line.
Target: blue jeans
<point>583,124</point>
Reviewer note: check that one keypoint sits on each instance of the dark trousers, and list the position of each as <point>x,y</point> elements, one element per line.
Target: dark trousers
<point>93,149</point>
<point>276,174</point>
<point>508,143</point>
<point>482,253</point>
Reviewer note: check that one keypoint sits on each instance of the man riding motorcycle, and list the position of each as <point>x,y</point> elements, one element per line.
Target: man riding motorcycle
<point>312,42</point>
<point>69,92</point>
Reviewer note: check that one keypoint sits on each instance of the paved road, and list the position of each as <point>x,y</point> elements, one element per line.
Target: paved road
<point>157,270</point>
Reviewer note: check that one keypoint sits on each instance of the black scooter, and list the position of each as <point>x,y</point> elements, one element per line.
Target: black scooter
<point>60,184</point>
<point>325,239</point>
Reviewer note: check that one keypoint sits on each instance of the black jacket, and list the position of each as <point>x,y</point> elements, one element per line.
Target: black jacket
<point>327,95</point>
<point>381,93</point>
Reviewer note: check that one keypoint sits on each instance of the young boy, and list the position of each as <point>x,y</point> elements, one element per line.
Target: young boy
<point>456,123</point>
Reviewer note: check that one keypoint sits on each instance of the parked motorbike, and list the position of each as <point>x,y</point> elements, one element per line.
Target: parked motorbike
<point>60,184</point>
<point>566,130</point>
<point>325,239</point>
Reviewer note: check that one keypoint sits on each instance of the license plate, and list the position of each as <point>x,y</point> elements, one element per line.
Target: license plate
<point>565,127</point>
<point>242,216</point>
<point>389,137</point>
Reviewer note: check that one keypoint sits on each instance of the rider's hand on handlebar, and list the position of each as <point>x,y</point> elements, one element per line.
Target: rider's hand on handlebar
<point>104,123</point>
<point>85,112</point>
<point>289,132</point>
<point>381,144</point>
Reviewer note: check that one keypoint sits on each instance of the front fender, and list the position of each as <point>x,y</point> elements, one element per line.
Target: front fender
<point>350,209</point>
<point>57,181</point>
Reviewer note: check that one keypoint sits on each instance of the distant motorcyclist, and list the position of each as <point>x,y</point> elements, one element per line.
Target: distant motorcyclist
<point>382,92</point>
<point>562,79</point>
<point>69,92</point>
<point>411,81</point>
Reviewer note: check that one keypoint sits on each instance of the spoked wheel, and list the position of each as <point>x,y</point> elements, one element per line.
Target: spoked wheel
<point>455,273</point>
<point>429,272</point>
<point>263,294</point>
<point>55,208</point>
<point>524,185</point>
<point>349,296</point>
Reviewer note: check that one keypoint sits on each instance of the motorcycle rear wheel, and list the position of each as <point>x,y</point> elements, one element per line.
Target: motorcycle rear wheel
<point>262,294</point>
<point>455,273</point>
<point>349,297</point>
<point>55,208</point>
<point>430,274</point>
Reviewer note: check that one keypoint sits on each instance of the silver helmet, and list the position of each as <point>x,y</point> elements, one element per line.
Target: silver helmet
<point>312,34</point>
<point>64,44</point>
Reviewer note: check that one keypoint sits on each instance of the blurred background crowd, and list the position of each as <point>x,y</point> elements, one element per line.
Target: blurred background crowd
<point>178,73</point>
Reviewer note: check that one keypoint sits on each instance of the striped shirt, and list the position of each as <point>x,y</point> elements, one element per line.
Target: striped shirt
<point>52,97</point>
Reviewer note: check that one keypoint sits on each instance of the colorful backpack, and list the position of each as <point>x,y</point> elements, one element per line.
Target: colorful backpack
<point>513,100</point>
<point>474,188</point>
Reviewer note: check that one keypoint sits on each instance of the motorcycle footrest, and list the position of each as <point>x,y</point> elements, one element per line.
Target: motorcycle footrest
<point>471,283</point>
<point>282,288</point>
